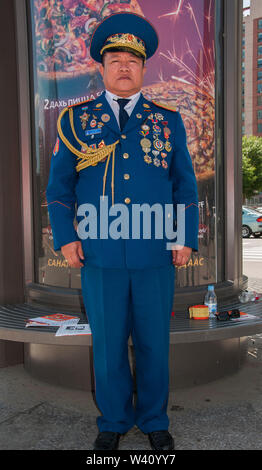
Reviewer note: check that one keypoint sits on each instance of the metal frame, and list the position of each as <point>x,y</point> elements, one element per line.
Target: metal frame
<point>233,137</point>
<point>25,137</point>
<point>219,136</point>
<point>228,144</point>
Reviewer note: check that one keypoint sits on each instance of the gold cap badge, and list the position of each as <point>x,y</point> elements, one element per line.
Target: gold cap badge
<point>125,40</point>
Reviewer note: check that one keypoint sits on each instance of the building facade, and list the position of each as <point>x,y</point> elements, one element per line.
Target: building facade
<point>252,69</point>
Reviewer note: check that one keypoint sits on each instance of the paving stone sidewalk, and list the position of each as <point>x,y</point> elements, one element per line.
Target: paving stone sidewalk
<point>224,414</point>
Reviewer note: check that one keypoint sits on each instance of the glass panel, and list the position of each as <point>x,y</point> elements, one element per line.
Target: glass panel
<point>259,50</point>
<point>259,75</point>
<point>181,75</point>
<point>259,128</point>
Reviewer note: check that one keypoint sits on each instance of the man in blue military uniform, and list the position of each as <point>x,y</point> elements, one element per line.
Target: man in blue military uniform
<point>127,281</point>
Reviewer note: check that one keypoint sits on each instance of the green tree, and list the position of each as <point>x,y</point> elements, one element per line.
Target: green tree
<point>252,165</point>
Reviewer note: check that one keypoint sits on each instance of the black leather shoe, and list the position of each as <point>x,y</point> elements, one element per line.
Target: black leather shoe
<point>161,440</point>
<point>107,440</point>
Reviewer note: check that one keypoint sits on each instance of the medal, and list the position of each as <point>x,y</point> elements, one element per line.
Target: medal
<point>146,149</point>
<point>139,116</point>
<point>164,164</point>
<point>168,146</point>
<point>158,144</point>
<point>105,117</point>
<point>157,129</point>
<point>146,146</point>
<point>155,153</point>
<point>148,159</point>
<point>167,132</point>
<point>163,154</point>
<point>84,118</point>
<point>145,143</point>
<point>156,162</point>
<point>159,116</point>
<point>101,144</point>
<point>84,149</point>
<point>144,133</point>
<point>146,105</point>
<point>145,127</point>
<point>93,123</point>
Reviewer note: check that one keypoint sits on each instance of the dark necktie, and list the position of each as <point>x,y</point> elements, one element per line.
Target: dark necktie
<point>123,115</point>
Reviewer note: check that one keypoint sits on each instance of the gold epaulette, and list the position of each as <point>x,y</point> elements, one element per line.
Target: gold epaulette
<point>164,106</point>
<point>90,156</point>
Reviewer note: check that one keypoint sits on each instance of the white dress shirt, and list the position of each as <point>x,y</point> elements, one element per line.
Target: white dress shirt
<point>115,106</point>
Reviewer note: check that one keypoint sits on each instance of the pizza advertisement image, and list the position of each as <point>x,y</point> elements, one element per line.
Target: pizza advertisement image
<point>181,76</point>
<point>63,31</point>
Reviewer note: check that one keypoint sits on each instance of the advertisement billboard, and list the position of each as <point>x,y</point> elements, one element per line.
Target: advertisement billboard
<point>181,76</point>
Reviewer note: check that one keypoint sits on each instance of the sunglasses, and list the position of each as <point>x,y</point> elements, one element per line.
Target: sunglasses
<point>228,314</point>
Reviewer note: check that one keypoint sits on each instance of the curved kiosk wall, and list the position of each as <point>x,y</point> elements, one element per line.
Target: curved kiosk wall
<point>196,71</point>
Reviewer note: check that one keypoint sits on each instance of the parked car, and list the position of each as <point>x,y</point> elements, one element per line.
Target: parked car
<point>251,223</point>
<point>259,209</point>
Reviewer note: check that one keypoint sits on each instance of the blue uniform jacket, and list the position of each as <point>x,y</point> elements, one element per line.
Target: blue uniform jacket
<point>151,165</point>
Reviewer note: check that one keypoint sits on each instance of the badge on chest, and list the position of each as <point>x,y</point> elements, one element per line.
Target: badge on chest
<point>156,134</point>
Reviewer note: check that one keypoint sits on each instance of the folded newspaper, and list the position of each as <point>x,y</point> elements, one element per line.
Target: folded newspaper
<point>56,319</point>
<point>70,330</point>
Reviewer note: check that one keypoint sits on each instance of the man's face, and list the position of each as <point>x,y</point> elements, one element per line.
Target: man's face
<point>122,73</point>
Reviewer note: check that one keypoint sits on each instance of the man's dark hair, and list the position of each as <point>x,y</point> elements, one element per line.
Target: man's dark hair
<point>123,49</point>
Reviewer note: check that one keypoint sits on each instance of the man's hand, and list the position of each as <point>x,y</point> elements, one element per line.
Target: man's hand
<point>73,252</point>
<point>181,255</point>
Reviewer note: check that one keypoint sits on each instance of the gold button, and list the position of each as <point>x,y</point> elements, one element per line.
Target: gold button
<point>123,136</point>
<point>125,155</point>
<point>126,176</point>
<point>127,200</point>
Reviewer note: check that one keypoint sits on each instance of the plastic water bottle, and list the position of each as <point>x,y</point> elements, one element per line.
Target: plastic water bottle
<point>211,301</point>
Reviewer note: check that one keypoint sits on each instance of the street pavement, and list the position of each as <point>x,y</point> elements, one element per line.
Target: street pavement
<point>225,414</point>
<point>252,262</point>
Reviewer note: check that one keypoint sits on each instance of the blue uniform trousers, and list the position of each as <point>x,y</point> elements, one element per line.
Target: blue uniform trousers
<point>120,302</point>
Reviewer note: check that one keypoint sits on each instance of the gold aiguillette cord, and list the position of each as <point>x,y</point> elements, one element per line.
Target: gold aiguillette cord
<point>91,156</point>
